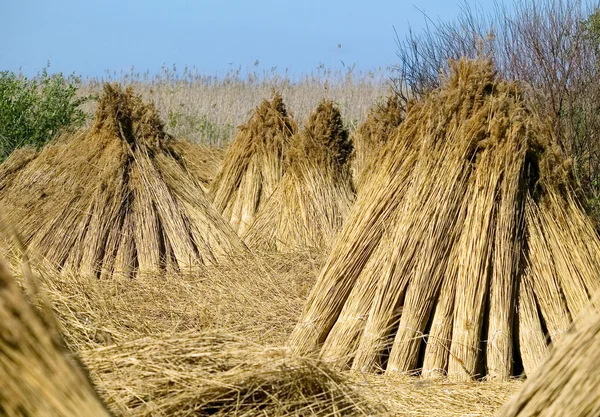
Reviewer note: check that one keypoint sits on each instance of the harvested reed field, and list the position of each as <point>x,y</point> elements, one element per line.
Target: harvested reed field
<point>312,199</point>
<point>370,138</point>
<point>119,198</point>
<point>36,376</point>
<point>253,164</point>
<point>567,383</point>
<point>472,212</point>
<point>211,344</point>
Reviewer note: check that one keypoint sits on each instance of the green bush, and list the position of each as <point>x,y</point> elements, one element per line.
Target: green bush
<point>33,111</point>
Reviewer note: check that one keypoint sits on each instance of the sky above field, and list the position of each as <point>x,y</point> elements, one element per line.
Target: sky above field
<point>92,36</point>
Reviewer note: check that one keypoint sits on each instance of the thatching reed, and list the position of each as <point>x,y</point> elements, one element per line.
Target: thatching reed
<point>216,374</point>
<point>117,198</point>
<point>36,376</point>
<point>467,253</point>
<point>14,164</point>
<point>253,164</point>
<point>373,134</point>
<point>312,199</point>
<point>202,161</point>
<point>567,383</point>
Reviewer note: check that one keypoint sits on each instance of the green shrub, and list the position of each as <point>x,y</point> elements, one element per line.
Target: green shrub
<point>33,111</point>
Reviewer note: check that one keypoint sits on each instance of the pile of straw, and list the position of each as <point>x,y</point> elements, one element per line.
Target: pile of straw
<point>202,162</point>
<point>216,374</point>
<point>468,251</point>
<point>14,164</point>
<point>372,135</point>
<point>253,164</point>
<point>36,376</point>
<point>311,201</point>
<point>567,383</point>
<point>117,198</point>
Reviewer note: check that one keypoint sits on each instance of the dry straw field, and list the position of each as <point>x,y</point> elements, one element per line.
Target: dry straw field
<point>431,258</point>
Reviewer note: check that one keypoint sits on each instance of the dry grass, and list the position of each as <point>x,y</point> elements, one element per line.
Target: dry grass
<point>207,109</point>
<point>310,202</point>
<point>259,297</point>
<point>119,197</point>
<point>229,376</point>
<point>253,164</point>
<point>405,396</point>
<point>469,192</point>
<point>195,343</point>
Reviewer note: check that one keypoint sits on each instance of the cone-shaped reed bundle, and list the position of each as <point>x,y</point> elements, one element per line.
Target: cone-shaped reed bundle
<point>309,205</point>
<point>117,198</point>
<point>466,253</point>
<point>372,135</point>
<point>16,162</point>
<point>567,383</point>
<point>36,376</point>
<point>253,164</point>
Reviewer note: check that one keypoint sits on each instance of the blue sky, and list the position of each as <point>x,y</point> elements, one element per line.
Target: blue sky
<point>91,36</point>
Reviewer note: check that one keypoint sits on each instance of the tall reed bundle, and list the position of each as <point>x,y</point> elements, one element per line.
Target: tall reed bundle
<point>466,253</point>
<point>253,164</point>
<point>216,374</point>
<point>567,384</point>
<point>309,204</point>
<point>36,376</point>
<point>372,135</point>
<point>117,198</point>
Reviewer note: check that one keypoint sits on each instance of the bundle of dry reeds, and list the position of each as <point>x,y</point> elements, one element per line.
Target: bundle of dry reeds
<point>312,199</point>
<point>567,383</point>
<point>117,198</point>
<point>202,162</point>
<point>253,164</point>
<point>467,252</point>
<point>14,164</point>
<point>36,376</point>
<point>229,376</point>
<point>372,135</point>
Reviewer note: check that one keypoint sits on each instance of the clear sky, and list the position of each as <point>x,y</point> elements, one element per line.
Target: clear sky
<point>91,36</point>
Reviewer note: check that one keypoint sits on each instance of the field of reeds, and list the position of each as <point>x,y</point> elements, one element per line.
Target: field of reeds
<point>208,109</point>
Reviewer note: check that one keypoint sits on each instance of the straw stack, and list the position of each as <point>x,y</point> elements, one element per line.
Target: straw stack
<point>117,198</point>
<point>312,199</point>
<point>372,135</point>
<point>466,253</point>
<point>36,376</point>
<point>567,384</point>
<point>253,164</point>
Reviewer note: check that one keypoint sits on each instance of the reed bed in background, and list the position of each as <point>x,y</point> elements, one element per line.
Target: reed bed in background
<point>253,164</point>
<point>257,296</point>
<point>310,202</point>
<point>479,212</point>
<point>207,109</point>
<point>119,197</point>
<point>36,376</point>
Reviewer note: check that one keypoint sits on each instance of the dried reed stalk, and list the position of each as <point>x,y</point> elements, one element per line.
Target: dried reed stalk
<point>37,376</point>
